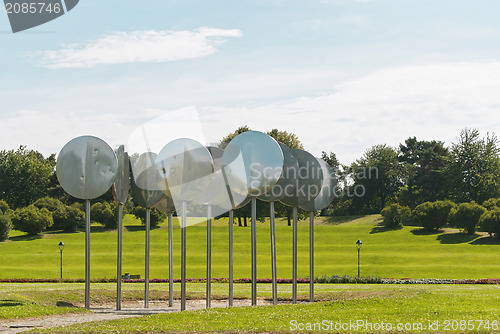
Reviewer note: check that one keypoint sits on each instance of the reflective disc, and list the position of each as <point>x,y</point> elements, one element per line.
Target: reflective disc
<point>252,163</point>
<point>327,192</point>
<point>217,193</point>
<point>310,178</point>
<point>165,204</point>
<point>287,185</point>
<point>146,180</point>
<point>86,167</point>
<point>186,167</point>
<point>122,183</point>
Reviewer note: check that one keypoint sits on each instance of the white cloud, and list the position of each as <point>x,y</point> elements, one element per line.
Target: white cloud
<point>139,47</point>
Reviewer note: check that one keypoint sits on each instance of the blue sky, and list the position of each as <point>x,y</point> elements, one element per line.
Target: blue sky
<point>342,74</point>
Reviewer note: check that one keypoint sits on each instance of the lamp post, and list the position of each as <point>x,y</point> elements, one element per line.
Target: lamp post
<point>358,243</point>
<point>61,247</point>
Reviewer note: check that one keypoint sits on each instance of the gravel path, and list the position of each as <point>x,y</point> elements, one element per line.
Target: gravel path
<point>108,312</point>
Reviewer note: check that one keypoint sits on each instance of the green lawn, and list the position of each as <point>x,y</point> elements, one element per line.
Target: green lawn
<point>401,253</point>
<point>409,305</point>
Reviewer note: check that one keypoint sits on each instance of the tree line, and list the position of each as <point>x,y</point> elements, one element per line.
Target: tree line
<point>418,182</point>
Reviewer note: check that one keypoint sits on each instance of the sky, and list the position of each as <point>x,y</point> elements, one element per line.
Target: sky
<point>343,75</point>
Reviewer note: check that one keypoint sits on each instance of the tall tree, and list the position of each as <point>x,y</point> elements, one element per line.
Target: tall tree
<point>473,172</point>
<point>424,163</point>
<point>24,176</point>
<point>377,177</point>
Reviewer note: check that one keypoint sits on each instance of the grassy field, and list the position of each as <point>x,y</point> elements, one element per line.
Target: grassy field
<point>409,305</point>
<point>401,253</point>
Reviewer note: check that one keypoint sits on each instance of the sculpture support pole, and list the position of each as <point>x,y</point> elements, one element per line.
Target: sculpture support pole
<point>170,261</point>
<point>311,256</point>
<point>231,222</point>
<point>273,253</point>
<point>119,259</point>
<point>294,274</point>
<point>209,256</point>
<point>183,257</point>
<point>146,277</point>
<point>254,250</point>
<point>87,254</point>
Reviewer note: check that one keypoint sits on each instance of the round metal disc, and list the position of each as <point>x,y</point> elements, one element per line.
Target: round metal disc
<point>165,204</point>
<point>310,179</point>
<point>327,192</point>
<point>217,193</point>
<point>252,164</point>
<point>146,180</point>
<point>86,167</point>
<point>187,168</point>
<point>122,183</point>
<point>287,185</point>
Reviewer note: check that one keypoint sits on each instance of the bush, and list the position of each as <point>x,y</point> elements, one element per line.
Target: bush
<point>467,216</point>
<point>4,207</point>
<point>5,226</point>
<point>31,219</point>
<point>66,218</point>
<point>104,214</point>
<point>490,222</point>
<point>395,216</point>
<point>492,204</point>
<point>155,217</point>
<point>433,216</point>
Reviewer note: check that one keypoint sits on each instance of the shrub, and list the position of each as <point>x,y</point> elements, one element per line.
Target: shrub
<point>104,214</point>
<point>4,207</point>
<point>66,218</point>
<point>433,216</point>
<point>490,222</point>
<point>155,217</point>
<point>492,204</point>
<point>31,219</point>
<point>467,216</point>
<point>5,226</point>
<point>395,216</point>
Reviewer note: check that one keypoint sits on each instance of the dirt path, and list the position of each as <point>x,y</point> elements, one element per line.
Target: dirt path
<point>108,312</point>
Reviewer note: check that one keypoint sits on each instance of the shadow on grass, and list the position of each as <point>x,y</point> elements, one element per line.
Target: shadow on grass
<point>336,220</point>
<point>9,302</point>
<point>135,228</point>
<point>381,228</point>
<point>421,231</point>
<point>25,237</point>
<point>456,238</point>
<point>486,241</point>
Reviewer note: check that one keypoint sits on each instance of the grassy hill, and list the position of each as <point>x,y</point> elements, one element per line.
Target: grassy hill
<point>402,253</point>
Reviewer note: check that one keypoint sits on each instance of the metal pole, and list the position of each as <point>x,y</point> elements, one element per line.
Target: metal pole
<point>231,222</point>
<point>183,257</point>
<point>254,250</point>
<point>146,276</point>
<point>87,254</point>
<point>209,255</point>
<point>358,262</point>
<point>61,263</point>
<point>119,259</point>
<point>311,256</point>
<point>273,253</point>
<point>170,261</point>
<point>294,273</point>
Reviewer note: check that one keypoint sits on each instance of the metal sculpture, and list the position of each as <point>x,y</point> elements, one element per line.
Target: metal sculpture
<point>284,189</point>
<point>146,183</point>
<point>310,178</point>
<point>86,168</point>
<point>120,194</point>
<point>324,198</point>
<point>252,163</point>
<point>187,169</point>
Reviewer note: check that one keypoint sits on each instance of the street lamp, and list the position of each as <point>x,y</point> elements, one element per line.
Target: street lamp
<point>358,243</point>
<point>61,247</point>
